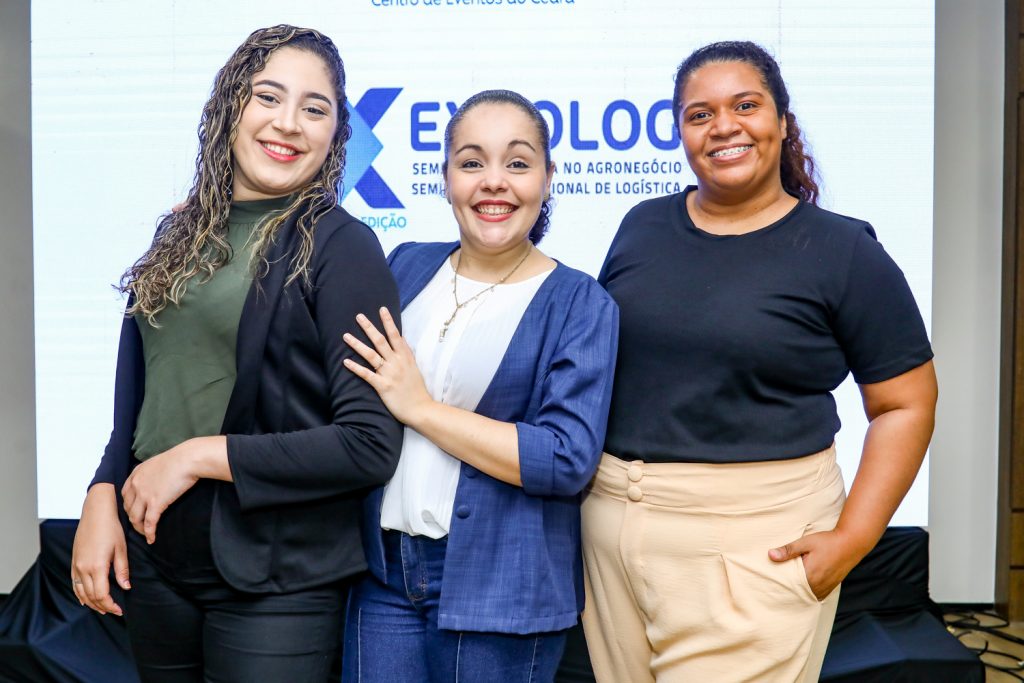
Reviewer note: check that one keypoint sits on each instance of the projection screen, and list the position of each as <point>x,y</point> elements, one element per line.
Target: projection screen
<point>117,88</point>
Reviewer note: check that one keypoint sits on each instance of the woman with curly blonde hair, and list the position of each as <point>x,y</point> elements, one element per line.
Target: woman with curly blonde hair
<point>241,445</point>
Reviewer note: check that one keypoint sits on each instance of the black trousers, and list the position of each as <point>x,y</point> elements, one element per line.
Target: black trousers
<point>187,625</point>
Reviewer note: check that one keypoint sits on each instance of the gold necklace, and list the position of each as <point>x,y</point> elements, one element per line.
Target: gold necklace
<point>455,293</point>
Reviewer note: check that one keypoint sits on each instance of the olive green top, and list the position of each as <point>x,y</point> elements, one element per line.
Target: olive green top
<point>190,358</point>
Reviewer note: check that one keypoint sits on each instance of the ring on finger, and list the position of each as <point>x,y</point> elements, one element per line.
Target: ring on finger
<point>76,582</point>
<point>379,365</point>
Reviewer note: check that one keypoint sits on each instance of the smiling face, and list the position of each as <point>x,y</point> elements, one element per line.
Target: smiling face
<point>731,131</point>
<point>496,177</point>
<point>287,127</point>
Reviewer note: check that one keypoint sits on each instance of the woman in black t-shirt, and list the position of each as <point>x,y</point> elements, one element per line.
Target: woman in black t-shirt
<point>715,532</point>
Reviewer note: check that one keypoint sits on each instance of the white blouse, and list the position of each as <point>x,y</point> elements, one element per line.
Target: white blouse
<point>457,371</point>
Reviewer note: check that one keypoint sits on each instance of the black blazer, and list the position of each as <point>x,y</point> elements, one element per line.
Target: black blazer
<point>306,438</point>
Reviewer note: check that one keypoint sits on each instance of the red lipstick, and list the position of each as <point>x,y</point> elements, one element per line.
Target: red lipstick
<point>277,156</point>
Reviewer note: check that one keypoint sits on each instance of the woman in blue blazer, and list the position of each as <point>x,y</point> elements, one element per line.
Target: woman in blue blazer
<point>503,380</point>
<point>241,448</point>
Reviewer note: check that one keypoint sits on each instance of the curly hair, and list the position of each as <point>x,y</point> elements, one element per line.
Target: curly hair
<point>192,241</point>
<point>539,228</point>
<point>796,165</point>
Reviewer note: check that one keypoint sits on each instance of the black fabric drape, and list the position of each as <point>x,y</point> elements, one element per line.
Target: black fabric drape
<point>886,628</point>
<point>47,637</point>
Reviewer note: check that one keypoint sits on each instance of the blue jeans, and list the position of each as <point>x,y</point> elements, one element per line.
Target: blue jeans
<point>391,633</point>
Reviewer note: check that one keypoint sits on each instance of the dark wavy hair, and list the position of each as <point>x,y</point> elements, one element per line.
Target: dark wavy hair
<point>192,241</point>
<point>799,177</point>
<point>539,228</point>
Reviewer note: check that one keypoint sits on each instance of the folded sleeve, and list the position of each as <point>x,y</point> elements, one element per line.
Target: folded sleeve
<point>560,448</point>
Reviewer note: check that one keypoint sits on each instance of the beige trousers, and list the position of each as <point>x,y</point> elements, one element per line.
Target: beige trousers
<point>679,585</point>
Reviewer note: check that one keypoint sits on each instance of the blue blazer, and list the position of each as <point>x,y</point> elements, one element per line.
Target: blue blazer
<point>513,563</point>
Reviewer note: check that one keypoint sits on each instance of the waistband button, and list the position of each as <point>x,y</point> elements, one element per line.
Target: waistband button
<point>635,473</point>
<point>634,493</point>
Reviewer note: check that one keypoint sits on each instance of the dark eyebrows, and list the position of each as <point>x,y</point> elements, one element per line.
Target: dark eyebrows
<point>479,149</point>
<point>272,84</point>
<point>747,93</point>
<point>280,86</point>
<point>475,148</point>
<point>318,96</point>
<point>737,96</point>
<point>521,142</point>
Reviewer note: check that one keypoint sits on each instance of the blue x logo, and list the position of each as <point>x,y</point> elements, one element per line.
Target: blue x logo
<point>364,147</point>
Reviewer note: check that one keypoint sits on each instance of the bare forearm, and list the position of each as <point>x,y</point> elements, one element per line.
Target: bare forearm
<point>901,411</point>
<point>894,448</point>
<point>490,446</point>
<point>100,497</point>
<point>209,457</point>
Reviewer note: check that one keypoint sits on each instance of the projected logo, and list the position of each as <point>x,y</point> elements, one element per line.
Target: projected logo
<point>363,148</point>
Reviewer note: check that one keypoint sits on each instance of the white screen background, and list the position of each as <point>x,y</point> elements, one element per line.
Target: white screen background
<point>117,88</point>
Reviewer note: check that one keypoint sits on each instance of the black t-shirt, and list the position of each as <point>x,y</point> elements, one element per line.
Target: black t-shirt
<point>729,346</point>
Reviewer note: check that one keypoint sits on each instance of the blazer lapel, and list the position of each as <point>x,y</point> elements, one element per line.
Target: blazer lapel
<point>525,343</point>
<point>413,274</point>
<point>253,328</point>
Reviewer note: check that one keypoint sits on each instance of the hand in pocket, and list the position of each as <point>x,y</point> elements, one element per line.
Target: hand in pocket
<point>827,559</point>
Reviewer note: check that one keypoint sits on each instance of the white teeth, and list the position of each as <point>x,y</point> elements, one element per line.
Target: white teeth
<point>278,149</point>
<point>732,151</point>
<point>495,209</point>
